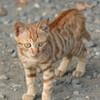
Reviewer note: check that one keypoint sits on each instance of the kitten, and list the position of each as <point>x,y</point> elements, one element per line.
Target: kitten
<point>42,44</point>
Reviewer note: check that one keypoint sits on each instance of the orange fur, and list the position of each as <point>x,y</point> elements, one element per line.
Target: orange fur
<point>41,44</point>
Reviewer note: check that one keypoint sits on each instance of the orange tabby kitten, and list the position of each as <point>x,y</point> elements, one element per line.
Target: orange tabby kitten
<point>41,44</point>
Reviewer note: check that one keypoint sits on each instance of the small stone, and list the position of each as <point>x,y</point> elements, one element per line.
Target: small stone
<point>39,85</point>
<point>14,55</point>
<point>3,12</point>
<point>19,9</point>
<point>16,86</point>
<point>75,81</point>
<point>2,96</point>
<point>89,20</point>
<point>15,89</point>
<point>95,3</point>
<point>36,5</point>
<point>97,57</point>
<point>77,86</point>
<point>56,15</point>
<point>67,98</point>
<point>38,81</point>
<point>59,6</point>
<point>44,14</point>
<point>58,82</point>
<point>54,81</point>
<point>47,1</point>
<point>22,14</point>
<point>68,80</point>
<point>2,63</point>
<point>2,19</point>
<point>83,91</point>
<point>11,35</point>
<point>29,21</point>
<point>69,74</point>
<point>95,49</point>
<point>11,88</point>
<point>97,30</point>
<point>2,84</point>
<point>23,18</point>
<point>4,77</point>
<point>90,44</point>
<point>94,74</point>
<point>75,93</point>
<point>98,76</point>
<point>8,69</point>
<point>83,6</point>
<point>37,19</point>
<point>87,97</point>
<point>11,50</point>
<point>5,22</point>
<point>97,86</point>
<point>97,53</point>
<point>59,99</point>
<point>96,20</point>
<point>89,77</point>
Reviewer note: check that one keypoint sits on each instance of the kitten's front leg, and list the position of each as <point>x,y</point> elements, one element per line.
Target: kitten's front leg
<point>30,73</point>
<point>48,76</point>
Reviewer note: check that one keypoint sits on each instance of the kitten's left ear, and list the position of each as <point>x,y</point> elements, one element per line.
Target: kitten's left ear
<point>44,25</point>
<point>19,28</point>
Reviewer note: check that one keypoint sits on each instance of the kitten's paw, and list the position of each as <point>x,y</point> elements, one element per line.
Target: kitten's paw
<point>59,73</point>
<point>77,74</point>
<point>28,97</point>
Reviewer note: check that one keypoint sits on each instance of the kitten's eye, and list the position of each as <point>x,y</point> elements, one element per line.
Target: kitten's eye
<point>40,44</point>
<point>27,45</point>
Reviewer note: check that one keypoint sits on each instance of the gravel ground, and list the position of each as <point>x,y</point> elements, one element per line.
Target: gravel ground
<point>12,79</point>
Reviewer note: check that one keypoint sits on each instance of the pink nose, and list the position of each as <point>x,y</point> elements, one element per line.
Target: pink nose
<point>35,52</point>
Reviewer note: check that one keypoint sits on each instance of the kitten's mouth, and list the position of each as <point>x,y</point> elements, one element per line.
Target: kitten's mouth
<point>34,56</point>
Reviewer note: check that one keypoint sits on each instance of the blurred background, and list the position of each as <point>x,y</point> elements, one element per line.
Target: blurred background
<point>12,80</point>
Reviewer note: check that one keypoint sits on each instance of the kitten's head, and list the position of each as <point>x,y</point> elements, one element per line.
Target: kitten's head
<point>32,39</point>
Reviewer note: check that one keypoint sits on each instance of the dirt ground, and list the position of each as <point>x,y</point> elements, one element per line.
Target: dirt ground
<point>12,79</point>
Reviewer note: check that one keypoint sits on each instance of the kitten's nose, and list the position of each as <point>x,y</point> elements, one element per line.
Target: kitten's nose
<point>35,52</point>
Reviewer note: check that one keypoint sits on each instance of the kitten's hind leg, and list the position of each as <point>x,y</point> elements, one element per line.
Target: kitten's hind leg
<point>80,69</point>
<point>63,66</point>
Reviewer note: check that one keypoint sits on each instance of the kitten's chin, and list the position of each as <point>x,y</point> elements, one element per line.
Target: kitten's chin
<point>35,56</point>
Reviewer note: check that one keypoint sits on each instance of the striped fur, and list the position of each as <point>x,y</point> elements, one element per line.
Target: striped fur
<point>47,43</point>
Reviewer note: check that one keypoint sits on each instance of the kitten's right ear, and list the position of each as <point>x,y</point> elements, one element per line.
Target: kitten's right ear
<point>19,28</point>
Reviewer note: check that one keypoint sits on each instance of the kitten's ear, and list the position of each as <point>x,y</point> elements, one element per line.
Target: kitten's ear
<point>19,28</point>
<point>44,25</point>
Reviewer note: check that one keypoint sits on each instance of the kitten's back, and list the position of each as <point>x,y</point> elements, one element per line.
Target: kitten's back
<point>72,20</point>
